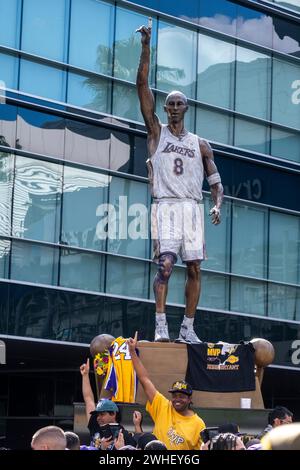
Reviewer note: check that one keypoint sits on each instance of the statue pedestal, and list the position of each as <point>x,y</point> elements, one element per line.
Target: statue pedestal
<point>167,362</point>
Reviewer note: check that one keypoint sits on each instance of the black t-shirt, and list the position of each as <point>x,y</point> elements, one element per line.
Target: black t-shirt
<point>94,429</point>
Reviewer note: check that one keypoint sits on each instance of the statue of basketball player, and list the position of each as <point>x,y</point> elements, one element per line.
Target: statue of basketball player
<point>177,164</point>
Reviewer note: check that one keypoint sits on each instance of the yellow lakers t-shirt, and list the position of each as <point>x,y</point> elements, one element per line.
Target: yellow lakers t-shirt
<point>176,431</point>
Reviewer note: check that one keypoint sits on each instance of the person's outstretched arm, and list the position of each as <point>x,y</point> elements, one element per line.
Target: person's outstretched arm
<point>146,98</point>
<point>140,370</point>
<point>87,391</point>
<point>214,180</point>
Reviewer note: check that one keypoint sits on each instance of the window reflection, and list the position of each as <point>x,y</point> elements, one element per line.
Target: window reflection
<point>252,136</point>
<point>254,26</point>
<point>9,23</point>
<point>86,143</point>
<point>215,126</point>
<point>248,296</point>
<point>284,302</point>
<point>249,225</point>
<point>126,103</point>
<point>8,117</point>
<point>284,247</point>
<point>286,36</point>
<point>9,70</point>
<point>91,32</point>
<point>215,78</point>
<point>293,4</point>
<point>34,263</point>
<point>40,132</point>
<point>285,145</point>
<point>285,103</point>
<point>37,198</point>
<point>128,43</point>
<point>84,200</point>
<point>4,258</point>
<point>6,189</point>
<point>176,71</point>
<point>253,83</point>
<point>82,270</point>
<point>216,292</point>
<point>219,15</point>
<point>127,277</point>
<point>217,238</point>
<point>43,28</point>
<point>89,92</point>
<point>130,202</point>
<point>42,80</point>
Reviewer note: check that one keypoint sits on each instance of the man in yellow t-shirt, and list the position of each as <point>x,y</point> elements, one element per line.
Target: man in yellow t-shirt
<point>175,423</point>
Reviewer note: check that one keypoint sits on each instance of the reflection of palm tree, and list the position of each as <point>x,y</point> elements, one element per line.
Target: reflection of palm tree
<point>125,67</point>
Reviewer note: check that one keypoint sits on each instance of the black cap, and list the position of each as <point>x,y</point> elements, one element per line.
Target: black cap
<point>181,386</point>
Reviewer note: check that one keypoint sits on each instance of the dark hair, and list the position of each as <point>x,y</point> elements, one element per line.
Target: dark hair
<point>155,445</point>
<point>225,441</point>
<point>73,442</point>
<point>279,412</point>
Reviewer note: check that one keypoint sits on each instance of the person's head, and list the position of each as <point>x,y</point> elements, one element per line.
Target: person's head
<point>49,438</point>
<point>144,439</point>
<point>155,445</point>
<point>226,441</point>
<point>106,412</point>
<point>280,415</point>
<point>229,428</point>
<point>181,396</point>
<point>73,441</point>
<point>176,106</point>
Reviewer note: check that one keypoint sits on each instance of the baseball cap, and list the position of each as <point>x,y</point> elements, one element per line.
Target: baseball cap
<point>105,405</point>
<point>181,386</point>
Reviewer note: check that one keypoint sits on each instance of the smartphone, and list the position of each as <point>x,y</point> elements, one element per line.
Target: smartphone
<point>105,431</point>
<point>115,429</point>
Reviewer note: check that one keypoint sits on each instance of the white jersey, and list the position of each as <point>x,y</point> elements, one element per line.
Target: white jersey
<point>176,168</point>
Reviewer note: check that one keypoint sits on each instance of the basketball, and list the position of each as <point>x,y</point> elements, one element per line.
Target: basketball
<point>100,343</point>
<point>264,352</point>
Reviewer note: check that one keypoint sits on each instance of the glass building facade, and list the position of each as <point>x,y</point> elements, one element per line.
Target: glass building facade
<point>75,248</point>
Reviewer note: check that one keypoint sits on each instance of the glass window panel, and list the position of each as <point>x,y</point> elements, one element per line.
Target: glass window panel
<point>84,204</point>
<point>9,70</point>
<point>127,277</point>
<point>42,80</point>
<point>219,15</point>
<point>254,26</point>
<point>286,95</point>
<point>284,302</point>
<point>91,33</point>
<point>120,151</point>
<point>215,78</point>
<point>86,143</point>
<point>214,292</point>
<point>6,189</point>
<point>253,83</point>
<point>8,117</point>
<point>285,144</point>
<point>128,44</point>
<point>176,71</point>
<point>130,205</point>
<point>286,36</point>
<point>293,4</point>
<point>40,133</point>
<point>10,23</point>
<point>126,103</point>
<point>140,156</point>
<point>82,270</point>
<point>34,263</point>
<point>43,28</point>
<point>4,257</point>
<point>189,118</point>
<point>251,136</point>
<point>284,247</point>
<point>37,199</point>
<point>217,238</point>
<point>248,240</point>
<point>89,92</point>
<point>185,10</point>
<point>176,287</point>
<point>248,296</point>
<point>214,126</point>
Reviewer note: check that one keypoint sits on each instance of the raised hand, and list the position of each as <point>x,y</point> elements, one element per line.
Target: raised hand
<point>132,343</point>
<point>145,32</point>
<point>85,368</point>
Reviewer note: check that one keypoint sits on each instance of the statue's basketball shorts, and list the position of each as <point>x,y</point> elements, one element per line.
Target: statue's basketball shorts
<point>177,226</point>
